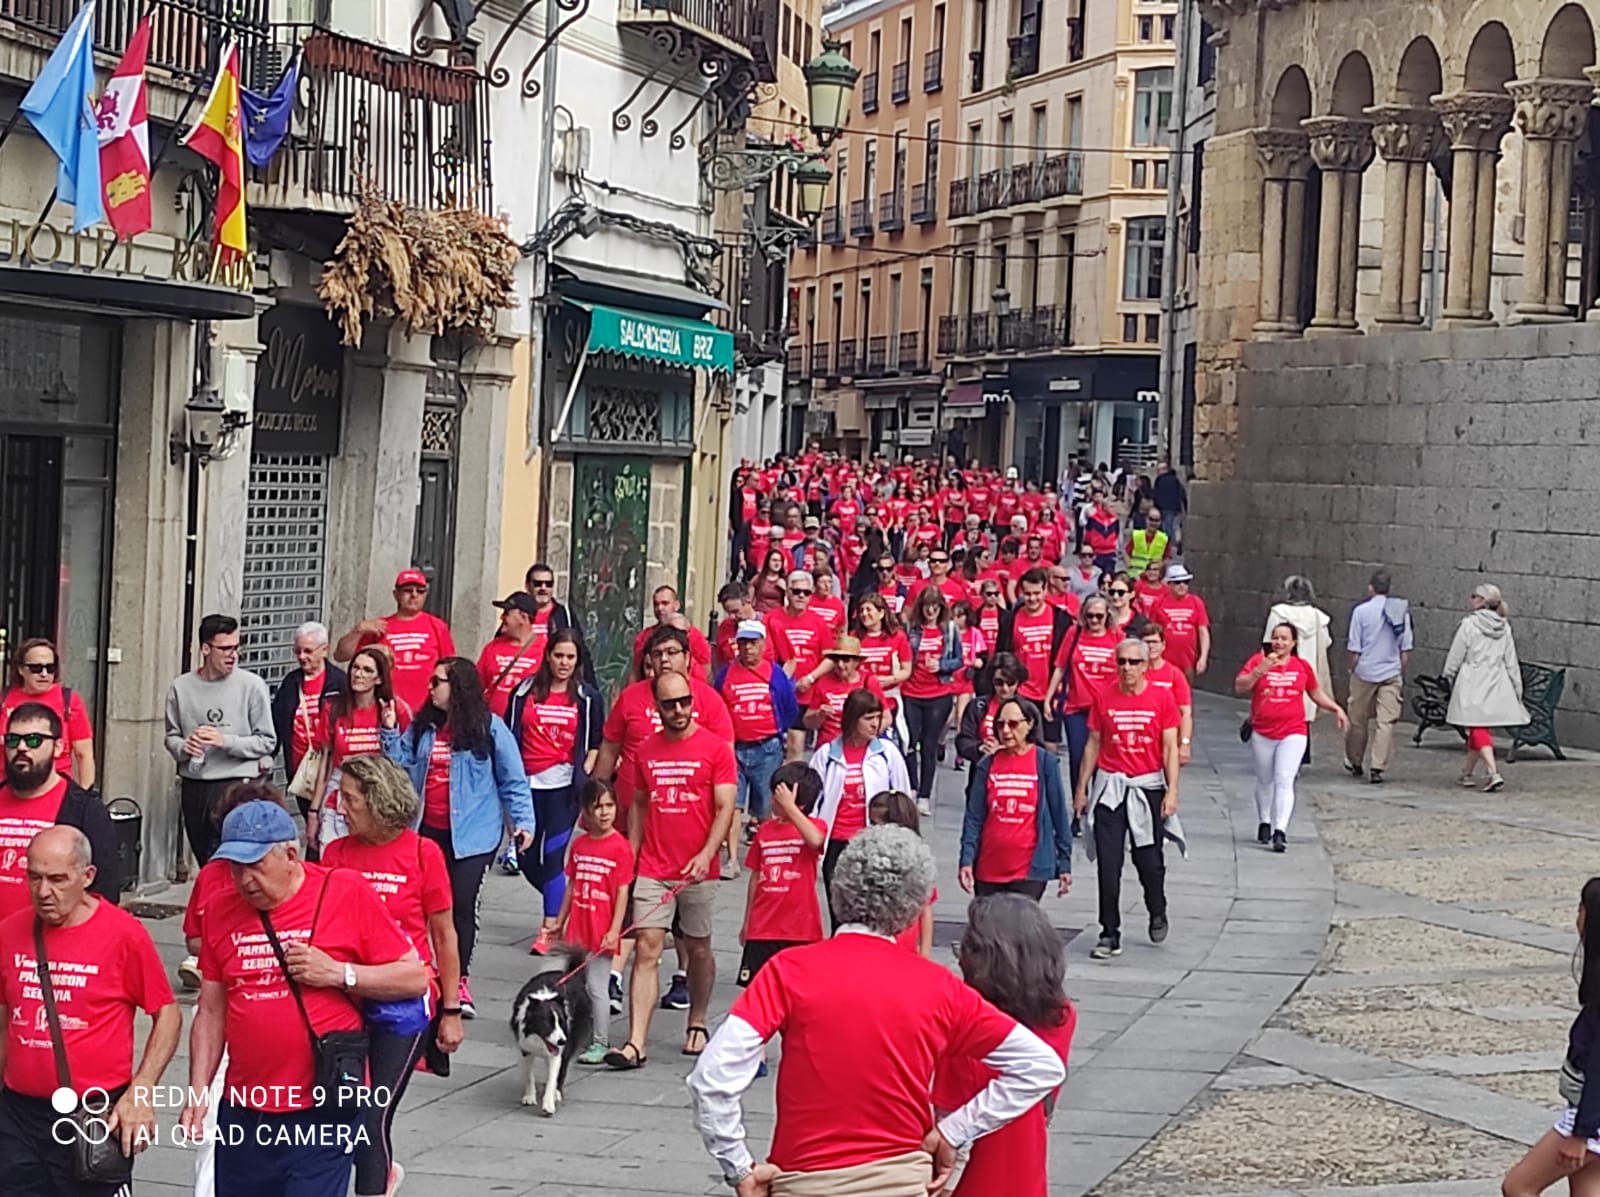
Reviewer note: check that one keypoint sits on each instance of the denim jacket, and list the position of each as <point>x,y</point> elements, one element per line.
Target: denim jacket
<point>1052,848</point>
<point>950,653</point>
<point>480,788</point>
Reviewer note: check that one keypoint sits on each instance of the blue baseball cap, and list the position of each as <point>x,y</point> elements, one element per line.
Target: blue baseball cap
<point>252,830</point>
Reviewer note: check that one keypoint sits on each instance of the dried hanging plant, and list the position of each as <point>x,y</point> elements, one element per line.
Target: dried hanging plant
<point>437,271</point>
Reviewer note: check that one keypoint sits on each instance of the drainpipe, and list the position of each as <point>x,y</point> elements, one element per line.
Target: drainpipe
<point>541,283</point>
<point>1170,358</point>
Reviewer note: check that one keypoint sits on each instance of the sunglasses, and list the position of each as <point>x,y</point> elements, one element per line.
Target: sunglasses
<point>886,569</point>
<point>939,560</point>
<point>798,590</point>
<point>1120,591</point>
<point>1130,662</point>
<point>1095,615</point>
<point>542,583</point>
<point>686,702</point>
<point>31,739</point>
<point>1011,722</point>
<point>37,667</point>
<point>438,681</point>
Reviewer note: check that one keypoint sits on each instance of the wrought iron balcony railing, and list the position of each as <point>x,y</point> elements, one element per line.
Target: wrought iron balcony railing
<point>892,211</point>
<point>861,217</point>
<point>963,198</point>
<point>876,357</point>
<point>933,70</point>
<point>750,26</point>
<point>900,83</point>
<point>844,359</point>
<point>832,227</point>
<point>924,203</point>
<point>949,336</point>
<point>909,361</point>
<point>868,88</point>
<point>994,190</point>
<point>794,365</point>
<point>819,361</point>
<point>1062,175</point>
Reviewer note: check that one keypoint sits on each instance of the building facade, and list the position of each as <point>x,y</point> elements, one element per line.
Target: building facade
<point>1335,432</point>
<point>1058,213</point>
<point>864,370</point>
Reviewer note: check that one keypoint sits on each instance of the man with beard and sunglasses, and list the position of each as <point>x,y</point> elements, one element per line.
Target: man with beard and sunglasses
<point>35,797</point>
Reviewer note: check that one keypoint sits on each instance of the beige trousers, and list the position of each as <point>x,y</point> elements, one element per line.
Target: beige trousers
<point>899,1176</point>
<point>1372,703</point>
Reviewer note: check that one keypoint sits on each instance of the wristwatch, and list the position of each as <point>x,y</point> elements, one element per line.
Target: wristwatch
<point>736,1178</point>
<point>349,976</point>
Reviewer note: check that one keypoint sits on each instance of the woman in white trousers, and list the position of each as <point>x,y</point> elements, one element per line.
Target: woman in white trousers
<point>1279,683</point>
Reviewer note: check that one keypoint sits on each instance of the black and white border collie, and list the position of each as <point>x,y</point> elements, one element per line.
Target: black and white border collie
<point>551,1021</point>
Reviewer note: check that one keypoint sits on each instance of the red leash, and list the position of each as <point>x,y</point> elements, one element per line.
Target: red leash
<point>633,926</point>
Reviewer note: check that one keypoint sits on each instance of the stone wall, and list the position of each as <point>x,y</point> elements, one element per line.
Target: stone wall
<point>1451,458</point>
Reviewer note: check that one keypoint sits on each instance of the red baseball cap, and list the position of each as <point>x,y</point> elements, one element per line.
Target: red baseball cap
<point>410,577</point>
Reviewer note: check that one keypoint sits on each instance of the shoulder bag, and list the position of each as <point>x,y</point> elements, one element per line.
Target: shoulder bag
<point>339,1058</point>
<point>309,771</point>
<point>96,1152</point>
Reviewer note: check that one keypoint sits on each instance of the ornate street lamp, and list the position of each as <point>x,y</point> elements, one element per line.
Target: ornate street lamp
<point>830,82</point>
<point>811,182</point>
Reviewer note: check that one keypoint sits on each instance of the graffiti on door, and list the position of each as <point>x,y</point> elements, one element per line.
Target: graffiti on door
<point>610,528</point>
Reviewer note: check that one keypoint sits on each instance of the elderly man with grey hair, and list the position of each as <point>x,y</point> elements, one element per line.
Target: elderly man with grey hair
<point>864,1023</point>
<point>297,702</point>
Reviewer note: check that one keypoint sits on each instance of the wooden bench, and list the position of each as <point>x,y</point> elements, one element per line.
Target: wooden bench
<point>1541,694</point>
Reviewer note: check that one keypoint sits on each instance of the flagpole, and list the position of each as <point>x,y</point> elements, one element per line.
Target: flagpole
<point>45,211</point>
<point>16,114</point>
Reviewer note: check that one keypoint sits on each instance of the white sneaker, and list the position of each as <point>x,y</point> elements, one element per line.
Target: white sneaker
<point>924,807</point>
<point>189,973</point>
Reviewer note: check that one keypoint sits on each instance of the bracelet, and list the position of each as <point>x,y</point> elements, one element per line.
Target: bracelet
<point>449,1009</point>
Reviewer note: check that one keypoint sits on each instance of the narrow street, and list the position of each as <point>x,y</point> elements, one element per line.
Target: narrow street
<point>1415,1043</point>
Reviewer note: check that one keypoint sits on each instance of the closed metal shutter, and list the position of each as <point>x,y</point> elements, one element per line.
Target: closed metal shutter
<point>285,548</point>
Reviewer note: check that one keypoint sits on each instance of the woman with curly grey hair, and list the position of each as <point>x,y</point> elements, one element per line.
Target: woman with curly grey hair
<point>852,1104</point>
<point>409,874</point>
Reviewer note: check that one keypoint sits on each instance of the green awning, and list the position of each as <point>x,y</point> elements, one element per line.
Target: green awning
<point>654,337</point>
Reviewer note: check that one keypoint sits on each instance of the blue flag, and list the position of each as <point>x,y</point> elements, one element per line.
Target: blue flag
<point>61,106</point>
<point>266,118</point>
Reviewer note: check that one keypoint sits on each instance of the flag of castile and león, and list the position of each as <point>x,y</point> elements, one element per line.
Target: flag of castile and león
<point>124,136</point>
<point>219,136</point>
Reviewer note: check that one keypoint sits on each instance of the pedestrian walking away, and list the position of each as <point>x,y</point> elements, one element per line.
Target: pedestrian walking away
<point>1279,683</point>
<point>1570,1150</point>
<point>852,1095</point>
<point>1016,836</point>
<point>1298,608</point>
<point>1486,682</point>
<point>556,718</point>
<point>218,729</point>
<point>465,764</point>
<point>900,808</point>
<point>1127,792</point>
<point>1379,644</point>
<point>65,936</point>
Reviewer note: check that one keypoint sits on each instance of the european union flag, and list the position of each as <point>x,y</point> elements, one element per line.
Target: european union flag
<point>61,106</point>
<point>266,118</point>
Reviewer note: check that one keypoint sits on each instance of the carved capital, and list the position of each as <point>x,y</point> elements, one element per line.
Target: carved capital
<point>1340,142</point>
<point>1474,120</point>
<point>1557,109</point>
<point>1406,134</point>
<point>1284,153</point>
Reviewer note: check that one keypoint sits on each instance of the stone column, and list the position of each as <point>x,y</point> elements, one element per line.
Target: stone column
<point>1475,122</point>
<point>1342,148</point>
<point>1551,114</point>
<point>1407,138</point>
<point>1285,159</point>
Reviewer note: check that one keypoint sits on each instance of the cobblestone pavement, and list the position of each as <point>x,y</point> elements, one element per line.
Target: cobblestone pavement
<point>1408,1054</point>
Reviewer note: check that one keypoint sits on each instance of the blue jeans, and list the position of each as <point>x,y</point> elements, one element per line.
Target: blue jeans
<point>1172,525</point>
<point>266,1162</point>
<point>1077,740</point>
<point>758,760</point>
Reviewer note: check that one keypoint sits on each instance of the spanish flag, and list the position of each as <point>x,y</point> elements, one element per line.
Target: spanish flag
<point>219,136</point>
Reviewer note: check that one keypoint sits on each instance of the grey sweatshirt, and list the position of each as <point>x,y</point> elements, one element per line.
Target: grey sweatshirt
<point>238,706</point>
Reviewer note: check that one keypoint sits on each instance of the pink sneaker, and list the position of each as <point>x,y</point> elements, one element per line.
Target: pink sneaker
<point>541,943</point>
<point>464,1000</point>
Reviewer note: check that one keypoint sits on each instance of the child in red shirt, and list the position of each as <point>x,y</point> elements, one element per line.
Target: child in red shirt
<point>899,808</point>
<point>599,873</point>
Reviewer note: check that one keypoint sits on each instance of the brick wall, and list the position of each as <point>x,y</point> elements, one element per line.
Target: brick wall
<point>1451,458</point>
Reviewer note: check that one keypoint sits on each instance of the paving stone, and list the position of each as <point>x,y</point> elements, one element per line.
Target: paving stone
<point>1368,945</point>
<point>1259,1076</point>
<point>1505,1117</point>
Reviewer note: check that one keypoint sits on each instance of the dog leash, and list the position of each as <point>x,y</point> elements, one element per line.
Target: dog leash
<point>662,901</point>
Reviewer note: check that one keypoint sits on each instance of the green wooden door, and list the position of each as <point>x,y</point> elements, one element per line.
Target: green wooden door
<point>610,529</point>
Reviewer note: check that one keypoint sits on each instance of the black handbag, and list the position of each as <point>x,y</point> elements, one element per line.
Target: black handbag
<point>339,1058</point>
<point>96,1152</point>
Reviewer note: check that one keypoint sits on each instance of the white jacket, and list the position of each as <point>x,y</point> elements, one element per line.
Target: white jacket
<point>882,769</point>
<point>1486,677</point>
<point>1311,625</point>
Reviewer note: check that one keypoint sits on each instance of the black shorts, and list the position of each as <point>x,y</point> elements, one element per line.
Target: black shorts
<point>757,952</point>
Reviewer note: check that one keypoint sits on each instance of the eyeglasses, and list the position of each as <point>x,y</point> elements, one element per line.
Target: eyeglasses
<point>939,560</point>
<point>1130,662</point>
<point>542,583</point>
<point>886,569</point>
<point>1095,615</point>
<point>798,590</point>
<point>1011,722</point>
<point>438,681</point>
<point>227,650</point>
<point>39,666</point>
<point>1118,592</point>
<point>31,739</point>
<point>685,702</point>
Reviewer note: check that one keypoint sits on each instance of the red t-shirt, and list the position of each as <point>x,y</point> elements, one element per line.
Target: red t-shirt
<point>1146,595</point>
<point>847,510</point>
<point>911,938</point>
<point>879,653</point>
<point>979,501</point>
<point>892,1015</point>
<point>1277,703</point>
<point>1093,664</point>
<point>266,1038</point>
<point>1171,680</point>
<point>307,715</point>
<point>1011,1161</point>
<point>418,644</point>
<point>1183,618</point>
<point>748,693</point>
<point>436,786</point>
<point>20,820</point>
<point>355,733</point>
<point>851,815</point>
<point>699,649</point>
<point>674,783</point>
<point>785,867</point>
<point>832,611</point>
<point>213,877</point>
<point>74,722</point>
<point>1130,727</point>
<point>101,970</point>
<point>829,694</point>
<point>549,733</point>
<point>1011,827</point>
<point>924,680</point>
<point>408,873</point>
<point>988,623</point>
<point>599,871</point>
<point>633,719</point>
<point>510,662</point>
<point>1030,642</point>
<point>799,638</point>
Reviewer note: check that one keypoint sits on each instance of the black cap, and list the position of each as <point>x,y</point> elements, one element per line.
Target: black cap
<point>518,600</point>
